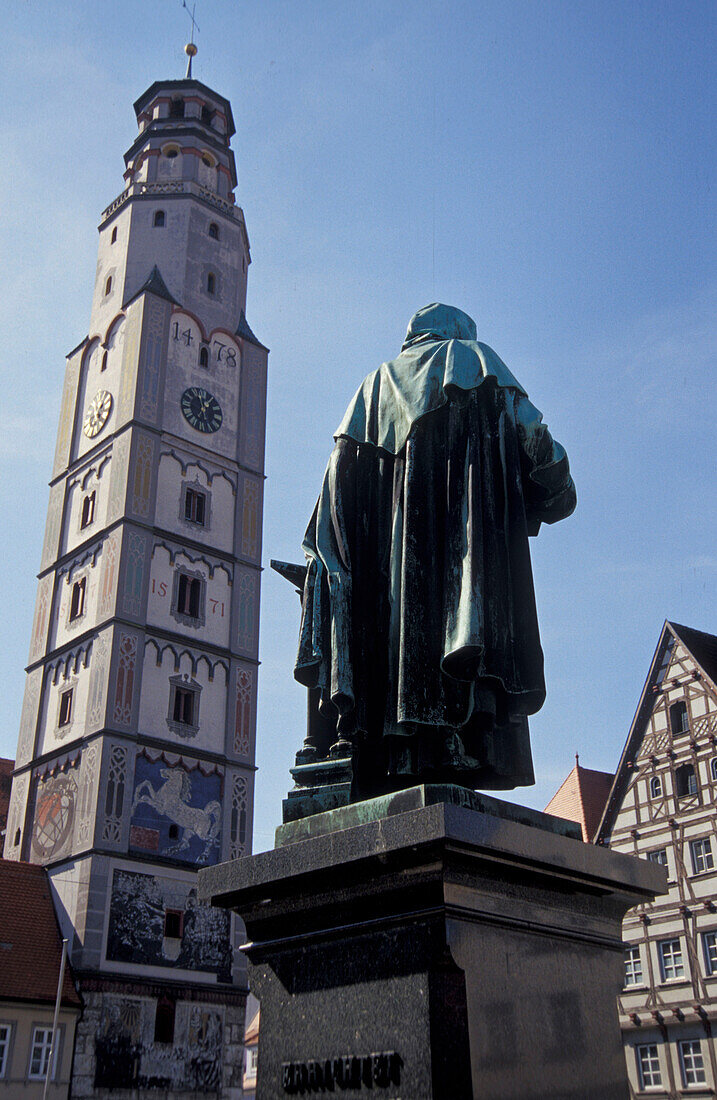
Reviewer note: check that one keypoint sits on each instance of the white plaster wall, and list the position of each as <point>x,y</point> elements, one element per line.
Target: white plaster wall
<point>51,736</point>
<point>111,260</point>
<point>216,591</point>
<point>207,477</point>
<point>92,380</point>
<point>95,478</point>
<point>154,702</point>
<point>62,630</point>
<point>222,379</point>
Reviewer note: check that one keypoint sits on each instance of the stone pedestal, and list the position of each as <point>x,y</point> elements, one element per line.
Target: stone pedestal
<point>441,945</point>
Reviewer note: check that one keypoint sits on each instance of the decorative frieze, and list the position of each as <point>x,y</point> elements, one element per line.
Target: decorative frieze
<point>243,711</point>
<point>114,796</point>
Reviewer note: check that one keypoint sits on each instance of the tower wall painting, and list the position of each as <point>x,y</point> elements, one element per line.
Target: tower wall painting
<point>176,811</point>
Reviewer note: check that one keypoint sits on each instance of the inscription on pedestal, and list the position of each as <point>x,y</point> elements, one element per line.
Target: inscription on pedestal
<point>350,1071</point>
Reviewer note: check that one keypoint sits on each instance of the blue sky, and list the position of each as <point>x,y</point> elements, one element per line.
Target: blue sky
<point>548,167</point>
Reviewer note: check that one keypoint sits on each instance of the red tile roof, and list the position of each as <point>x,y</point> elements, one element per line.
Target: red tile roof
<point>582,798</point>
<point>30,941</point>
<point>6,770</point>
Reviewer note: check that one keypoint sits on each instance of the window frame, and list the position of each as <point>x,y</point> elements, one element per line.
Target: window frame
<point>167,1008</point>
<point>643,1071</point>
<point>633,973</point>
<point>210,284</point>
<point>658,852</point>
<point>108,286</point>
<point>685,1071</point>
<point>676,960</point>
<point>709,950</point>
<point>171,915</point>
<point>5,1047</point>
<point>88,504</point>
<point>196,615</point>
<point>195,506</point>
<point>679,707</point>
<point>213,231</point>
<point>77,599</point>
<point>159,219</point>
<point>701,855</point>
<point>180,728</point>
<point>64,709</point>
<point>686,785</point>
<point>713,769</point>
<point>656,786</point>
<point>45,1051</point>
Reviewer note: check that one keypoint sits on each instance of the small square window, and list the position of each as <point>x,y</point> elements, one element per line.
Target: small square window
<point>77,603</point>
<point>709,947</point>
<point>173,923</point>
<point>633,966</point>
<point>195,506</point>
<point>648,1065</point>
<point>65,715</point>
<point>40,1054</point>
<point>5,1032</point>
<point>702,858</point>
<point>88,510</point>
<point>670,955</point>
<point>659,855</point>
<point>691,1062</point>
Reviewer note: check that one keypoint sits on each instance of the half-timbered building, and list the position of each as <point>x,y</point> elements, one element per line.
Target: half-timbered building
<point>662,807</point>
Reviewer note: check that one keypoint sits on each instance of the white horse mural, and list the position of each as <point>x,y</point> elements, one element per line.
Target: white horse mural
<point>172,800</point>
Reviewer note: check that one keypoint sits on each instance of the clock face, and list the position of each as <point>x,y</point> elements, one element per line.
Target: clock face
<point>201,409</point>
<point>98,410</point>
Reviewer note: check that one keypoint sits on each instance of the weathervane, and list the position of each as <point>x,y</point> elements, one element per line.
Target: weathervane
<point>190,49</point>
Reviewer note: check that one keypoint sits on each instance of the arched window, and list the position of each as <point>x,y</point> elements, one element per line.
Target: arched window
<point>207,160</point>
<point>158,218</point>
<point>113,238</point>
<point>655,787</point>
<point>713,768</point>
<point>204,357</point>
<point>214,231</point>
<point>211,283</point>
<point>108,285</point>
<point>678,718</point>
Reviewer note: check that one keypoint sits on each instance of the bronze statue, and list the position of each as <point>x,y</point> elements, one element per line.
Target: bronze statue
<point>419,634</point>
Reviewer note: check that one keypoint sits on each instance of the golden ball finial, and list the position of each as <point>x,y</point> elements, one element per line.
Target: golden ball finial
<point>190,49</point>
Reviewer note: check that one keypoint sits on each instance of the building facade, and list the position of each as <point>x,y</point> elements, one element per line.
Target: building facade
<point>135,757</point>
<point>662,807</point>
<point>30,968</point>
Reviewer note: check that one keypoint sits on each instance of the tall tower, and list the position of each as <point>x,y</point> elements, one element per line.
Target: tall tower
<point>135,758</point>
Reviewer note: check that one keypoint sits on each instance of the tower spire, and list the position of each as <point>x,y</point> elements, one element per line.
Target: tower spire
<point>190,49</point>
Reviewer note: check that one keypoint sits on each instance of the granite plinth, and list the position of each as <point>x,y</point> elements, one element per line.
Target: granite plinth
<point>440,952</point>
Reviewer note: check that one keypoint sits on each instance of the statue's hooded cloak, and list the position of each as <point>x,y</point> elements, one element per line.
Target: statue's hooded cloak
<point>419,625</point>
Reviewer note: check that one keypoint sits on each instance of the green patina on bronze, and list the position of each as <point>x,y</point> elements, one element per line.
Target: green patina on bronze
<point>419,637</point>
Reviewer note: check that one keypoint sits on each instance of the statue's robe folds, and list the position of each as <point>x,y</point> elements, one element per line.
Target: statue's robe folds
<point>419,624</point>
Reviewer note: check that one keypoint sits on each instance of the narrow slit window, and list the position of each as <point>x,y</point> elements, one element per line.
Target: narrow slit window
<point>88,510</point>
<point>158,218</point>
<point>214,231</point>
<point>176,109</point>
<point>207,115</point>
<point>65,716</point>
<point>104,361</point>
<point>211,283</point>
<point>108,285</point>
<point>204,357</point>
<point>77,603</point>
<point>113,238</point>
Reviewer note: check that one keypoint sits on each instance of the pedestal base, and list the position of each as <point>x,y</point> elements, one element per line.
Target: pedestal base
<point>440,952</point>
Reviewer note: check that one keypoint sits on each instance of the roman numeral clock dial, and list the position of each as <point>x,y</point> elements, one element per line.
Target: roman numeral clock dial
<point>201,409</point>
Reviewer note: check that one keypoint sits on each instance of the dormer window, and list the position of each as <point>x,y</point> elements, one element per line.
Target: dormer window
<point>158,221</point>
<point>214,231</point>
